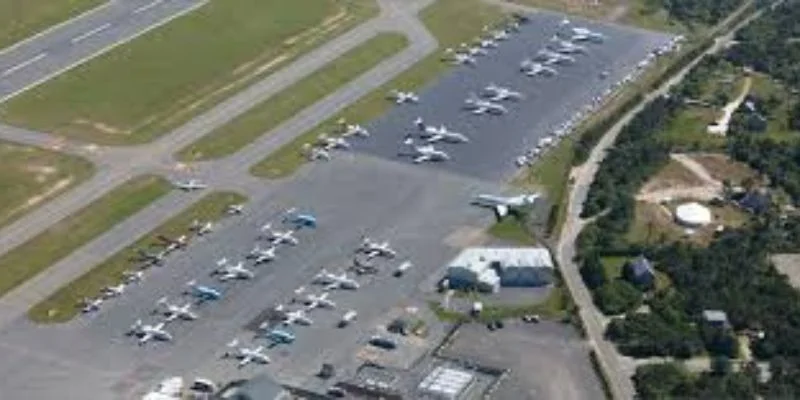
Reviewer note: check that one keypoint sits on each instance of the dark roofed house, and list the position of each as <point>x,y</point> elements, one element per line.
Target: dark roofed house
<point>639,272</point>
<point>756,201</point>
<point>260,387</point>
<point>716,318</point>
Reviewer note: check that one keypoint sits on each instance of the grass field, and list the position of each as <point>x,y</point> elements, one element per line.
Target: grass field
<point>450,21</point>
<point>20,19</point>
<point>160,80</point>
<point>512,229</point>
<point>556,306</point>
<point>269,114</point>
<point>61,305</point>
<point>67,235</point>
<point>31,176</point>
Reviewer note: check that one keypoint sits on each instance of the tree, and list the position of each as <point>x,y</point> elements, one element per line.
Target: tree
<point>592,271</point>
<point>617,297</point>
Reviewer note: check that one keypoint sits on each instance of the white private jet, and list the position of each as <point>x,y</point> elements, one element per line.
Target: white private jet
<point>532,68</point>
<point>315,153</point>
<point>227,271</point>
<point>332,142</point>
<point>433,134</point>
<point>376,249</point>
<point>424,153</point>
<point>172,312</point>
<point>401,97</point>
<point>458,58</point>
<point>478,106</point>
<point>113,291</point>
<point>333,281</point>
<point>294,317</point>
<point>246,355</point>
<point>146,332</point>
<point>234,209</point>
<point>190,185</point>
<point>90,305</point>
<point>279,237</point>
<point>503,204</point>
<point>132,276</point>
<point>262,255</point>
<point>317,301</point>
<point>499,93</point>
<point>349,130</point>
<point>201,228</point>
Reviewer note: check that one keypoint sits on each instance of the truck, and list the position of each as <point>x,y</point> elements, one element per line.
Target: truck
<point>347,318</point>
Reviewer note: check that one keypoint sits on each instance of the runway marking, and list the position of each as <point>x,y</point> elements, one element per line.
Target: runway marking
<point>24,64</point>
<point>94,31</point>
<point>147,6</point>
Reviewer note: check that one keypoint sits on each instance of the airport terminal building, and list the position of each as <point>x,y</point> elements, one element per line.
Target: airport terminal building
<point>489,268</point>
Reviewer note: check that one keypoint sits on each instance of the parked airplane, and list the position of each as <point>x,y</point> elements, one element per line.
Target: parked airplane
<point>151,258</point>
<point>113,291</point>
<point>458,58</point>
<point>551,57</point>
<point>227,271</point>
<point>294,317</point>
<point>262,255</point>
<point>532,68</point>
<point>299,220</point>
<point>376,249</point>
<point>584,34</point>
<point>90,305</point>
<point>401,97</point>
<point>203,292</point>
<point>479,106</point>
<point>424,153</point>
<point>132,276</point>
<point>503,204</point>
<point>172,312</point>
<point>201,228</point>
<point>349,130</point>
<point>499,34</point>
<point>278,336</point>
<point>333,281</point>
<point>472,51</point>
<point>246,355</point>
<point>567,47</point>
<point>235,209</point>
<point>499,93</point>
<point>316,301</point>
<point>190,185</point>
<point>332,142</point>
<point>174,244</point>
<point>279,237</point>
<point>313,153</point>
<point>432,134</point>
<point>146,332</point>
<point>486,43</point>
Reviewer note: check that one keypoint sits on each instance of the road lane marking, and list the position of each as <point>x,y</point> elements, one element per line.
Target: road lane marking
<point>147,6</point>
<point>94,31</point>
<point>24,64</point>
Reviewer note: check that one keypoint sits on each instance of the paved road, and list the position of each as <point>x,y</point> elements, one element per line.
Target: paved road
<point>617,368</point>
<point>46,55</point>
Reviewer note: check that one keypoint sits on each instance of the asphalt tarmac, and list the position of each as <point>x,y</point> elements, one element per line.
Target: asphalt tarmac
<point>496,141</point>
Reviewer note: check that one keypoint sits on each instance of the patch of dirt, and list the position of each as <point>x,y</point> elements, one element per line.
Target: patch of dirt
<point>720,167</point>
<point>101,127</point>
<point>789,265</point>
<point>682,178</point>
<point>42,172</point>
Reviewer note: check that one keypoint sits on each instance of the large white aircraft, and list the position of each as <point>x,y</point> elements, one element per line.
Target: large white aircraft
<point>315,301</point>
<point>333,281</point>
<point>503,204</point>
<point>479,106</point>
<point>496,92</point>
<point>332,142</point>
<point>262,255</point>
<point>90,305</point>
<point>146,332</point>
<point>424,153</point>
<point>432,134</point>
<point>532,68</point>
<point>172,312</point>
<point>279,237</point>
<point>314,153</point>
<point>190,185</point>
<point>294,317</point>
<point>459,58</point>
<point>113,291</point>
<point>401,97</point>
<point>246,355</point>
<point>376,249</point>
<point>228,271</point>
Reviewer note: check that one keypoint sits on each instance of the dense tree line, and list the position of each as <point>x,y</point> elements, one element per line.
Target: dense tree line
<point>671,380</point>
<point>708,12</point>
<point>777,160</point>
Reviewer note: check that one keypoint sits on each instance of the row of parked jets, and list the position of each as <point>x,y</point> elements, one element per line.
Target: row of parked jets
<point>224,271</point>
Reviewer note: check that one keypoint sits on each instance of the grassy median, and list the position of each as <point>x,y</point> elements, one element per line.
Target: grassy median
<point>247,127</point>
<point>30,176</point>
<point>162,79</point>
<point>61,306</point>
<point>450,21</point>
<point>22,19</point>
<point>67,235</point>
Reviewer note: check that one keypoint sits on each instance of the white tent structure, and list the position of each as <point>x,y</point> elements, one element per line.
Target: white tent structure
<point>692,215</point>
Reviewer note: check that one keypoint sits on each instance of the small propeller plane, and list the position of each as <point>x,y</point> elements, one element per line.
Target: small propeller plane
<point>227,271</point>
<point>91,305</point>
<point>277,336</point>
<point>190,185</point>
<point>172,312</point>
<point>333,281</point>
<point>318,301</point>
<point>432,134</point>
<point>479,106</point>
<point>151,258</point>
<point>298,317</point>
<point>315,153</point>
<point>262,255</point>
<point>458,58</point>
<point>332,142</point>
<point>146,332</point>
<point>202,292</point>
<point>532,68</point>
<point>201,228</point>
<point>350,130</point>
<point>401,97</point>
<point>234,209</point>
<point>299,220</point>
<point>246,355</point>
<point>496,92</point>
<point>376,249</point>
<point>129,276</point>
<point>113,291</point>
<point>279,237</point>
<point>423,153</point>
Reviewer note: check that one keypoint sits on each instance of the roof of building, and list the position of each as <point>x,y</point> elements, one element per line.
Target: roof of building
<point>715,316</point>
<point>446,381</point>
<point>641,266</point>
<point>755,201</point>
<point>260,387</point>
<point>693,213</point>
<point>477,258</point>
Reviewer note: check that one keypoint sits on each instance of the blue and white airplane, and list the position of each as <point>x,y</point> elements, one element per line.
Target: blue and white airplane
<point>278,336</point>
<point>203,292</point>
<point>299,220</point>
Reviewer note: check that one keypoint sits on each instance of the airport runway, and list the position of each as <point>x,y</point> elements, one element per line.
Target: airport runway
<point>64,46</point>
<point>496,141</point>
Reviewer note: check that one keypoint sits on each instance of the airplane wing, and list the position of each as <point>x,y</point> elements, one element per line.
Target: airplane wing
<point>421,158</point>
<point>435,138</point>
<point>501,210</point>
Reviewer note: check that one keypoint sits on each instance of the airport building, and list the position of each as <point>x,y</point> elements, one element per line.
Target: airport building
<point>489,268</point>
<point>445,383</point>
